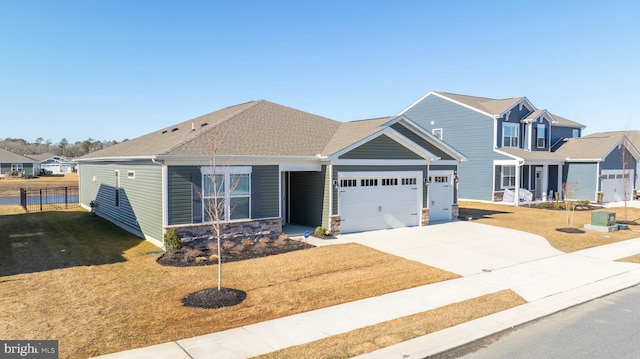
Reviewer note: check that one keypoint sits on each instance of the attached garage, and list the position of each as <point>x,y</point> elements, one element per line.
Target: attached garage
<point>614,185</point>
<point>379,200</point>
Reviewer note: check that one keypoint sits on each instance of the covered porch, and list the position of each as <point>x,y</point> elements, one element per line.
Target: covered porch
<point>520,181</point>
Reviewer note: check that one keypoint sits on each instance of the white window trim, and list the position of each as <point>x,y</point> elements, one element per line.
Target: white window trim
<point>226,171</point>
<point>517,137</point>
<point>502,177</point>
<point>433,132</point>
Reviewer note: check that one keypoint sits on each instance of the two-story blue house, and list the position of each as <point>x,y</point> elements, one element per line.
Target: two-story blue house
<point>512,145</point>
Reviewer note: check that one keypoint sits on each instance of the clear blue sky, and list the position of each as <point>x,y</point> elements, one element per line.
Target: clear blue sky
<point>112,70</point>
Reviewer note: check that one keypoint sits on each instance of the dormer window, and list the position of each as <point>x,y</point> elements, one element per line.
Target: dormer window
<point>510,134</point>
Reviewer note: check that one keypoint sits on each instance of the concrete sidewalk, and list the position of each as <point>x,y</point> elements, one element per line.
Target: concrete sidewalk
<point>489,258</point>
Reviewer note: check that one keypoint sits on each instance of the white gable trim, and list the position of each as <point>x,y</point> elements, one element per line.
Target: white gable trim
<point>444,98</point>
<point>427,136</point>
<point>396,136</point>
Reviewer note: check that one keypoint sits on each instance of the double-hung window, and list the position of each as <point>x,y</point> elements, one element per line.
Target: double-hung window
<point>541,135</point>
<point>510,135</point>
<point>508,176</point>
<point>227,194</point>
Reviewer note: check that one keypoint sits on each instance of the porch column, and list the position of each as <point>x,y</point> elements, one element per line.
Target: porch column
<point>517,186</point>
<point>545,181</point>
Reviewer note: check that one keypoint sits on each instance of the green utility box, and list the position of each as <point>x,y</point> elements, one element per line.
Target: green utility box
<point>604,219</point>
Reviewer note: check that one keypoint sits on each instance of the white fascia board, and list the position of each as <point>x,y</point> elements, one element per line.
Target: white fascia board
<point>116,159</point>
<point>417,102</point>
<point>238,160</point>
<point>429,137</point>
<point>569,159</point>
<point>505,162</point>
<point>393,134</point>
<point>357,162</point>
<point>522,101</point>
<point>445,163</point>
<point>508,155</point>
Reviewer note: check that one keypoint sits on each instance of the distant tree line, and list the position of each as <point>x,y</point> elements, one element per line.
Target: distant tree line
<point>62,148</point>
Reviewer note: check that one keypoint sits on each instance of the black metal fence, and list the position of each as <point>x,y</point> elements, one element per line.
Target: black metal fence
<point>48,199</point>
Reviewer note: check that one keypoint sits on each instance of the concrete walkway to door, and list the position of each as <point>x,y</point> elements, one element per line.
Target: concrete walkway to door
<point>464,248</point>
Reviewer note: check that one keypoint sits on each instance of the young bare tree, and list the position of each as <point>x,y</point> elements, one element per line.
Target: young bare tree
<point>218,184</point>
<point>627,164</point>
<point>569,190</point>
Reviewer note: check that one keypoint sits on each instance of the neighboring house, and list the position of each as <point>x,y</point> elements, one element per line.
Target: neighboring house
<point>288,166</point>
<point>602,165</point>
<point>13,164</point>
<point>509,143</point>
<point>54,164</point>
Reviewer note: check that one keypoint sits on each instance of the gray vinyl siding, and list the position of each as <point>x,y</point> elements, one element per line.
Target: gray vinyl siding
<point>27,168</point>
<point>140,210</point>
<point>583,175</point>
<point>615,161</point>
<point>180,194</point>
<point>470,133</point>
<point>381,147</point>
<point>558,133</point>
<point>421,141</point>
<point>307,197</point>
<point>534,136</point>
<point>337,169</point>
<point>265,192</point>
<point>552,182</point>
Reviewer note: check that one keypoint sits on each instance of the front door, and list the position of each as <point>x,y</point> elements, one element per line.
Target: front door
<point>538,182</point>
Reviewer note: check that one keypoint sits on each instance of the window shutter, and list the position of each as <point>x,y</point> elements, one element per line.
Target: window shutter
<point>196,195</point>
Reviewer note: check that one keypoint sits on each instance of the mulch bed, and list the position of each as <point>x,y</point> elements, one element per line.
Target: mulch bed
<point>212,298</point>
<point>182,257</point>
<point>570,230</point>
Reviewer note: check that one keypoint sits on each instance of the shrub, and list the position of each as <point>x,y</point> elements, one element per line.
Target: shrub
<point>228,244</point>
<point>213,257</point>
<point>264,240</point>
<point>212,247</point>
<point>172,240</point>
<point>201,259</point>
<point>321,231</point>
<point>194,252</point>
<point>246,242</point>
<point>281,241</point>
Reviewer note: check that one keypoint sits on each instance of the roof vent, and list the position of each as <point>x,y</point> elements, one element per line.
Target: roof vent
<point>193,126</point>
<point>165,131</point>
<point>203,124</point>
<point>174,129</point>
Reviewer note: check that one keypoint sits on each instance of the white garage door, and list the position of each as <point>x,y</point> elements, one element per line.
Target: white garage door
<point>379,200</point>
<point>440,195</point>
<point>614,183</point>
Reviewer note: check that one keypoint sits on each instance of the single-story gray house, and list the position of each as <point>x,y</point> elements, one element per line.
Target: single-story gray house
<point>13,164</point>
<point>54,164</point>
<point>287,167</point>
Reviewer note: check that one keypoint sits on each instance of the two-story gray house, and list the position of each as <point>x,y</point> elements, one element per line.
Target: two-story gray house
<point>513,145</point>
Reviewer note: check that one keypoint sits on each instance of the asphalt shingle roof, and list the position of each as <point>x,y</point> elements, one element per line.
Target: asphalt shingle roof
<point>257,128</point>
<point>8,156</point>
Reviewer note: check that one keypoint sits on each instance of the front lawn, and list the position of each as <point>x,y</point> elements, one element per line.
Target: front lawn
<point>546,222</point>
<point>97,289</point>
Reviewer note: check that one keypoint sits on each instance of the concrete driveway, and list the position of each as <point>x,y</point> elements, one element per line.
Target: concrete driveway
<point>461,247</point>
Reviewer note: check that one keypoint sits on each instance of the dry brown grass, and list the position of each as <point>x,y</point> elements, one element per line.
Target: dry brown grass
<point>11,186</point>
<point>105,292</point>
<point>631,259</point>
<point>544,222</point>
<point>368,339</point>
